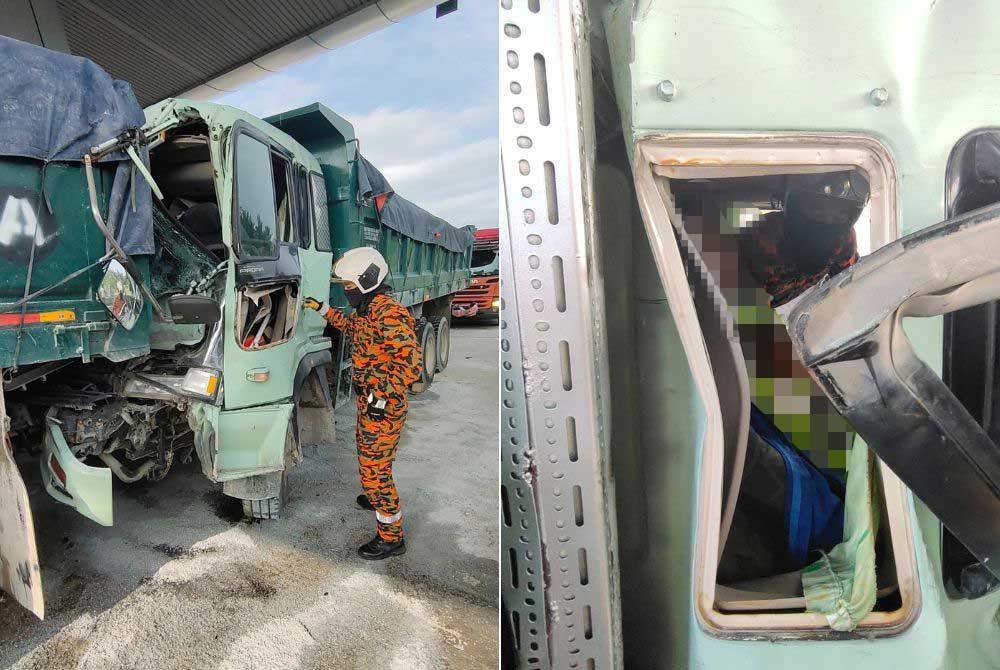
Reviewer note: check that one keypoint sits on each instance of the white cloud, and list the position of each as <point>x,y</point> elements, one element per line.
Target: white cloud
<point>275,93</point>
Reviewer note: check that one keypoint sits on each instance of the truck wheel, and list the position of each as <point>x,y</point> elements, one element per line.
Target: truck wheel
<point>442,330</point>
<point>268,508</point>
<point>271,508</point>
<point>428,344</point>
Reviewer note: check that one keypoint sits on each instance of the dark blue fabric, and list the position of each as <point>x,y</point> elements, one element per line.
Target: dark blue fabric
<point>132,222</point>
<point>55,106</point>
<point>814,505</point>
<point>407,218</point>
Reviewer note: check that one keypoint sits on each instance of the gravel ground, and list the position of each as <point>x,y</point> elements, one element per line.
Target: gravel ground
<point>181,581</point>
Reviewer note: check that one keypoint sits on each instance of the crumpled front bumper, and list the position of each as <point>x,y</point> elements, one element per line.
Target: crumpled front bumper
<point>86,489</point>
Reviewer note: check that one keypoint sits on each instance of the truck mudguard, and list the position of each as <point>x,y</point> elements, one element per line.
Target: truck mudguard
<point>310,362</point>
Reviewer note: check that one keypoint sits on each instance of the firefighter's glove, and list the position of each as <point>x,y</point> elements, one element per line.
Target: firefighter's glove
<point>376,408</point>
<point>312,303</point>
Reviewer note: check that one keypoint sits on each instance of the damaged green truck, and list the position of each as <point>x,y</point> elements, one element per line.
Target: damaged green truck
<point>151,287</point>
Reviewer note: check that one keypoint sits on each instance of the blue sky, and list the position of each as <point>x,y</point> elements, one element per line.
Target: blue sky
<point>422,95</point>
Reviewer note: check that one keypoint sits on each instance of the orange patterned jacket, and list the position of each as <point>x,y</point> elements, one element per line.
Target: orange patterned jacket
<point>384,347</point>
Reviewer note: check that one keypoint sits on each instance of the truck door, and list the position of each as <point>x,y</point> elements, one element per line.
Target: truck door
<point>849,333</point>
<point>314,250</point>
<point>262,349</point>
<point>20,575</point>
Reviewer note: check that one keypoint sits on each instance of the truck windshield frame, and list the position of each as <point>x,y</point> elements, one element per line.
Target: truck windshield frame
<point>303,217</point>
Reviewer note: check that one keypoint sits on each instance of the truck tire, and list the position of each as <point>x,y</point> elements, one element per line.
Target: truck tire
<point>442,330</point>
<point>271,508</point>
<point>428,345</point>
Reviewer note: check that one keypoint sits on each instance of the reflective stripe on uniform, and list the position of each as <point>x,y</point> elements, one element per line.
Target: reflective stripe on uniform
<point>387,518</point>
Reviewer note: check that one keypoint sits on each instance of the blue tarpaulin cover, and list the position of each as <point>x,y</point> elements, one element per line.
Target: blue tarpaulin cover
<point>407,218</point>
<point>55,106</point>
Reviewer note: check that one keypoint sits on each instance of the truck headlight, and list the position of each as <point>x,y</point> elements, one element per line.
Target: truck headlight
<point>496,303</point>
<point>199,381</point>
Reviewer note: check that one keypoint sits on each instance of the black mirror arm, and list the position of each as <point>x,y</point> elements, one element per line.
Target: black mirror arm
<point>848,332</point>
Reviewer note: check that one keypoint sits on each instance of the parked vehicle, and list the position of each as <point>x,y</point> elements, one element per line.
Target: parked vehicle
<point>482,297</point>
<point>150,308</point>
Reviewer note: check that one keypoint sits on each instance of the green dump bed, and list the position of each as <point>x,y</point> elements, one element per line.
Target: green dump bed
<point>56,106</point>
<point>67,322</point>
<point>427,257</point>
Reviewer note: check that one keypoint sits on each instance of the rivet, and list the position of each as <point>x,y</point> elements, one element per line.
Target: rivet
<point>666,90</point>
<point>878,96</point>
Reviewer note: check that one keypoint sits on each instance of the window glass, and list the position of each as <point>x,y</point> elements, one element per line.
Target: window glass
<point>969,367</point>
<point>320,215</point>
<point>256,223</point>
<point>483,257</point>
<point>283,199</point>
<point>302,207</point>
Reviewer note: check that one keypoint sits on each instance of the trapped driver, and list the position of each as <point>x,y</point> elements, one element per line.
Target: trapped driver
<point>387,360</point>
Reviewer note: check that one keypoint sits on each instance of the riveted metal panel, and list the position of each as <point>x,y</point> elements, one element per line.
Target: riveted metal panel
<point>553,287</point>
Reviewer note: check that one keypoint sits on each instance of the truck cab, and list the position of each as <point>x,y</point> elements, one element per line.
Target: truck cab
<point>483,295</point>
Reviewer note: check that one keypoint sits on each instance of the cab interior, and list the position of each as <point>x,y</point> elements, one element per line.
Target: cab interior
<point>719,219</point>
<point>714,518</point>
<point>181,164</point>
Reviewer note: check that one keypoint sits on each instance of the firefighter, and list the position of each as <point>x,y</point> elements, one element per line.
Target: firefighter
<point>387,359</point>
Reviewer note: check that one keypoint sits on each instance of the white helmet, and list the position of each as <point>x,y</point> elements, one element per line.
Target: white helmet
<point>364,266</point>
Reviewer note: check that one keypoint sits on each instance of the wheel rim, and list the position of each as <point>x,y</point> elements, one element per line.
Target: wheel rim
<point>444,343</point>
<point>430,356</point>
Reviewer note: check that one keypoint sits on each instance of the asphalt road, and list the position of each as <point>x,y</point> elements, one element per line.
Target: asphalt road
<point>181,581</point>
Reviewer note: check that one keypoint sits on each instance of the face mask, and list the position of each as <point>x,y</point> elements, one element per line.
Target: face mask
<point>354,296</point>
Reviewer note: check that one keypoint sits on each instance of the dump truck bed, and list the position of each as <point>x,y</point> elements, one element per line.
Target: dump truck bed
<point>68,321</point>
<point>56,107</point>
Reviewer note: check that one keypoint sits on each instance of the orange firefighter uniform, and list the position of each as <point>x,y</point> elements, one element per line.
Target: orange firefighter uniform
<point>387,359</point>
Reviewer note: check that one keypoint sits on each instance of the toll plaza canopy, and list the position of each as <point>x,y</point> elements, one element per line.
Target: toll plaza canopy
<point>405,217</point>
<point>55,107</point>
<point>197,50</point>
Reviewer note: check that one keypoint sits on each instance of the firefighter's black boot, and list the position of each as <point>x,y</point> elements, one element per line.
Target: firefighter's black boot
<point>364,503</point>
<point>378,549</point>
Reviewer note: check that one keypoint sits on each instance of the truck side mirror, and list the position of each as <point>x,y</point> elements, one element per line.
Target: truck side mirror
<point>193,309</point>
<point>120,294</point>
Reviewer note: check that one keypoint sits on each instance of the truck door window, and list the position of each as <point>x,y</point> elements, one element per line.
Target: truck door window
<point>746,225</point>
<point>256,214</point>
<point>320,214</point>
<point>282,198</point>
<point>302,208</point>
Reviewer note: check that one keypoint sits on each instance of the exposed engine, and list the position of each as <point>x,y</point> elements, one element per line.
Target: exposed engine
<point>136,438</point>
